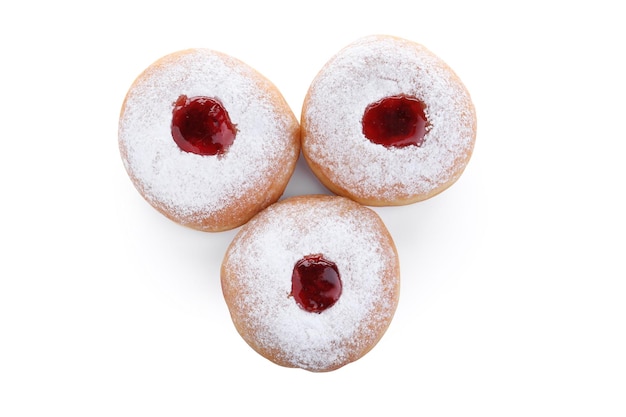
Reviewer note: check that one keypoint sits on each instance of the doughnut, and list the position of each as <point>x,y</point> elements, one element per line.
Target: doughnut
<point>312,282</point>
<point>207,140</point>
<point>386,122</point>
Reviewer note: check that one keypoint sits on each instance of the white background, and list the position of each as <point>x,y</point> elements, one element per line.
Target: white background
<point>513,280</point>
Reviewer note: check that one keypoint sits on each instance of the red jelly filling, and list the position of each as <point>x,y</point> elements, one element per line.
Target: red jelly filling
<point>396,121</point>
<point>315,283</point>
<point>202,126</point>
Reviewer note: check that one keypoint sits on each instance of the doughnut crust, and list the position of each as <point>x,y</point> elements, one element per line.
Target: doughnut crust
<point>346,162</point>
<point>209,193</point>
<point>256,281</point>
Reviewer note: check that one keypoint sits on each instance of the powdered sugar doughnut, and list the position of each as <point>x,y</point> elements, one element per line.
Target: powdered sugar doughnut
<point>386,122</point>
<point>207,140</point>
<point>312,282</point>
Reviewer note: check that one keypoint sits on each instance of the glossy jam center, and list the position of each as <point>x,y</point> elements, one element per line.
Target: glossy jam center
<point>202,126</point>
<point>396,121</point>
<point>315,283</point>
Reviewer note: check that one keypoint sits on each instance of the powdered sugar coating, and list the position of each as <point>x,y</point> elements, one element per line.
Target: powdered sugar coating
<point>365,72</point>
<point>256,278</point>
<point>192,188</point>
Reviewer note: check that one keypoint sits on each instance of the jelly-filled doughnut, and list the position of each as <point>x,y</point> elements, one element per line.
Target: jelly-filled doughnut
<point>312,282</point>
<point>386,122</point>
<point>207,140</point>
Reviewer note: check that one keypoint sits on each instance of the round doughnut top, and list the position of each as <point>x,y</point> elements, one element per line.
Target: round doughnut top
<point>191,188</point>
<point>257,272</point>
<point>363,73</point>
